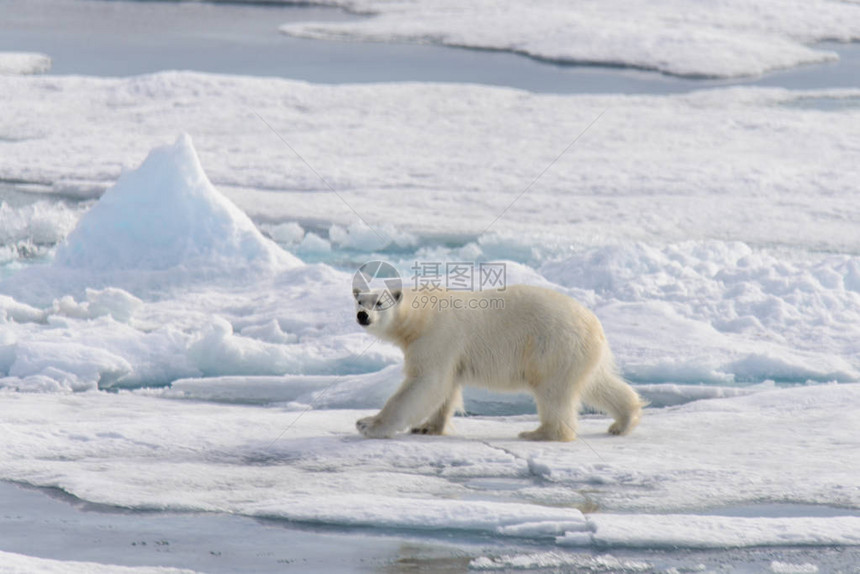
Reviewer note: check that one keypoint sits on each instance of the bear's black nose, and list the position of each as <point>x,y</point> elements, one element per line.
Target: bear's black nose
<point>363,319</point>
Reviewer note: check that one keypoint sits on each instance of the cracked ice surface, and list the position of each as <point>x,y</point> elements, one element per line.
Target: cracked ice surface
<point>311,467</point>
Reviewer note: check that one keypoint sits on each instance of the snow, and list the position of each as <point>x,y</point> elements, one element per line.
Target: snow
<point>309,466</point>
<point>110,337</point>
<point>144,291</point>
<point>320,391</point>
<point>23,63</point>
<point>162,228</point>
<point>177,331</point>
<point>787,568</point>
<point>28,229</point>
<point>558,560</point>
<point>716,299</point>
<point>705,39</point>
<point>674,531</point>
<point>20,564</point>
<point>160,225</point>
<point>729,165</point>
<point>726,217</point>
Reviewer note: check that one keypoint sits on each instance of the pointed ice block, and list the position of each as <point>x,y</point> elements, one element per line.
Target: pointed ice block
<point>167,214</point>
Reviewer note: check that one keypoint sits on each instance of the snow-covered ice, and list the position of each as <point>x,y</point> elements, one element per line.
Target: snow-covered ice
<point>558,560</point>
<point>24,63</point>
<point>178,332</point>
<point>21,564</point>
<point>308,466</point>
<point>726,251</point>
<point>681,531</point>
<point>712,39</point>
<point>162,223</point>
<point>750,165</point>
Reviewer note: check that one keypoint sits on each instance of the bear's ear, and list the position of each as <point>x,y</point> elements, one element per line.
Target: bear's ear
<point>397,294</point>
<point>356,292</point>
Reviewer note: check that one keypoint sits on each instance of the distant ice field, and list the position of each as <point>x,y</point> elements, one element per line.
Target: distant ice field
<point>766,167</point>
<point>538,46</point>
<point>726,39</point>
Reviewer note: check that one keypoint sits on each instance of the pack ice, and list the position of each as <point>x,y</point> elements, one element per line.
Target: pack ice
<point>163,234</point>
<point>239,370</point>
<point>724,39</point>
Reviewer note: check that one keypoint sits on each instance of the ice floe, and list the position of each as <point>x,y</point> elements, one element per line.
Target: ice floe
<point>11,563</point>
<point>684,531</point>
<point>726,39</point>
<point>714,234</point>
<point>23,63</point>
<point>138,450</point>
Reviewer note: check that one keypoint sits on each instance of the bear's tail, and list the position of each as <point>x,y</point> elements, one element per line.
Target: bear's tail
<point>610,393</point>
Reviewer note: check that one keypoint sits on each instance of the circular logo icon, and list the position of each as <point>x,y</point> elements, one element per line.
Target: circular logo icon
<point>380,277</point>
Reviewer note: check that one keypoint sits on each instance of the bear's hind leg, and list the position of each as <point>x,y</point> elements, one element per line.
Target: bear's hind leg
<point>438,423</point>
<point>558,406</point>
<point>609,393</point>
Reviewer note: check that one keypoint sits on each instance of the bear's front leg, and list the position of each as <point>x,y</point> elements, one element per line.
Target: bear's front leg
<point>374,427</point>
<point>438,423</point>
<point>413,402</point>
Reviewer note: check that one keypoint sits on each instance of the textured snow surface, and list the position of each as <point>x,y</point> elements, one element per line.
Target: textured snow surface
<point>559,560</point>
<point>681,531</point>
<point>714,234</point>
<point>716,39</point>
<point>138,450</point>
<point>20,564</point>
<point>34,228</point>
<point>752,165</point>
<point>23,63</point>
<point>165,278</point>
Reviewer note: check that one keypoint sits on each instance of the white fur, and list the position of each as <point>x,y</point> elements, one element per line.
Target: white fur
<point>540,341</point>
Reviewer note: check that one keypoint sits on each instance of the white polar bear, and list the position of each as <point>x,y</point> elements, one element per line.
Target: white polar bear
<point>522,338</point>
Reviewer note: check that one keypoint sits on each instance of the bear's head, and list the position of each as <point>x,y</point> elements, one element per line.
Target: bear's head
<point>376,308</point>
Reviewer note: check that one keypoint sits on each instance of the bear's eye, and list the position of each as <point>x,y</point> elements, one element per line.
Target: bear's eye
<point>379,304</point>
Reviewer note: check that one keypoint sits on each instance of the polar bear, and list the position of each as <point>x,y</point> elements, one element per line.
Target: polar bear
<point>521,338</point>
